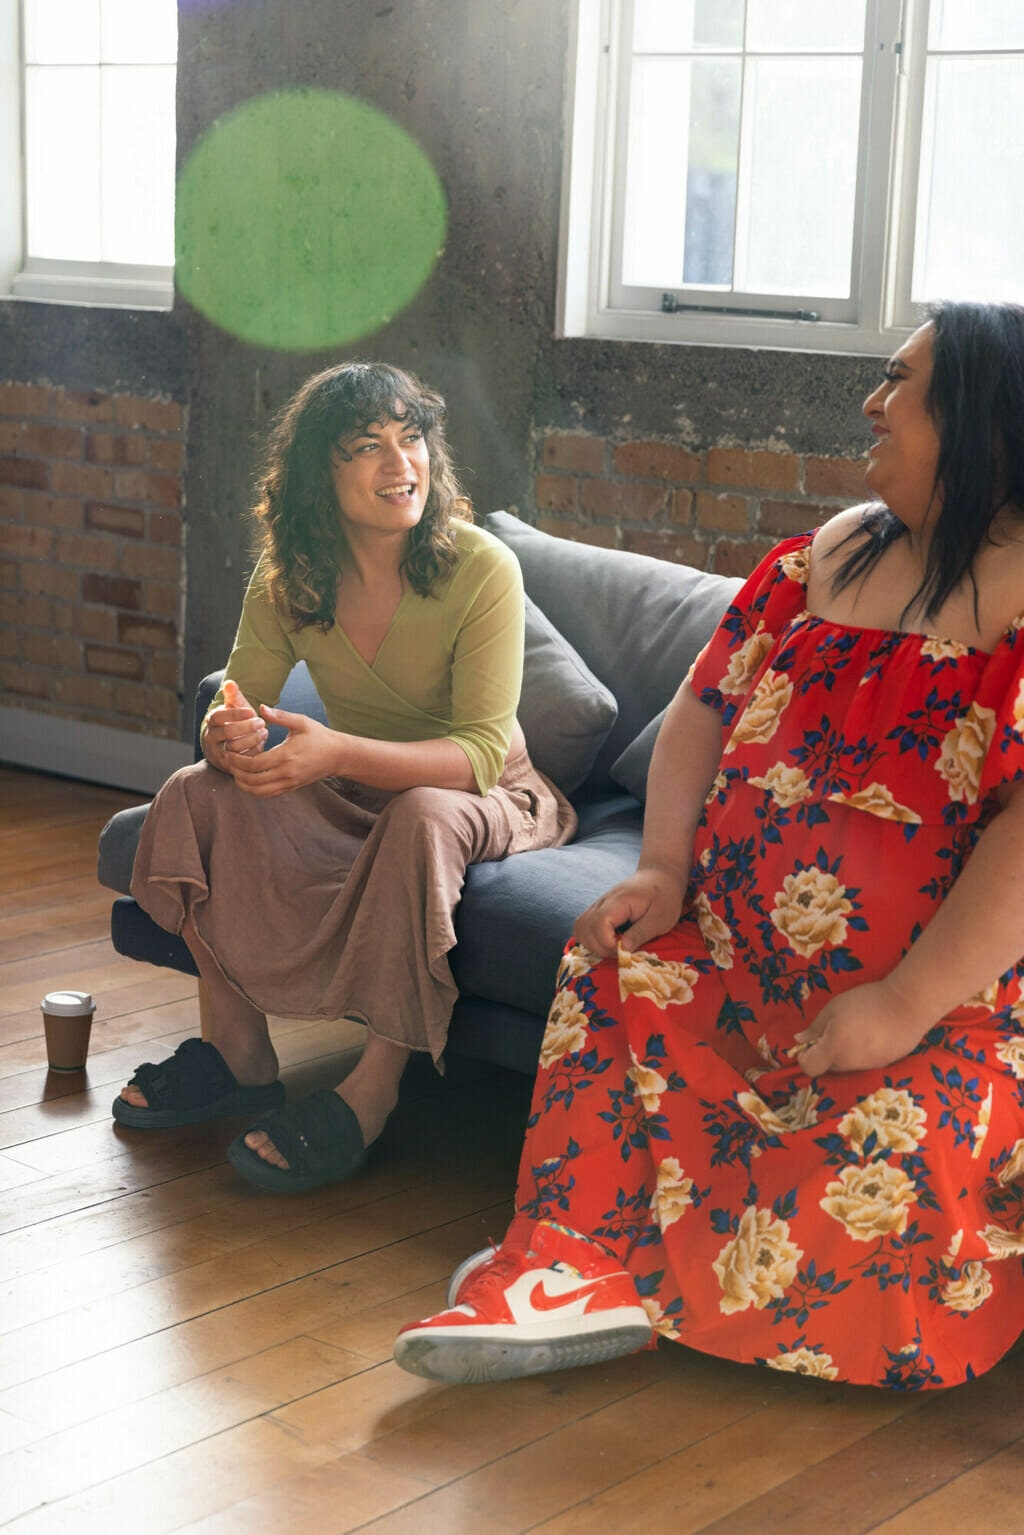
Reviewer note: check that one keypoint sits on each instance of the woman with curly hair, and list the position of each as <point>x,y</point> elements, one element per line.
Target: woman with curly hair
<point>319,878</point>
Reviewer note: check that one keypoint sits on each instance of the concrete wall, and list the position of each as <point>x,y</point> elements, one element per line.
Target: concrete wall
<point>481,87</point>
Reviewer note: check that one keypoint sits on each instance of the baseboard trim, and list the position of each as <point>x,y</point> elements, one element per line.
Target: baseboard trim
<point>119,759</point>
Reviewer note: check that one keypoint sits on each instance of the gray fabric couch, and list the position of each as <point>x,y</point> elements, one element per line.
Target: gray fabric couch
<point>609,637</point>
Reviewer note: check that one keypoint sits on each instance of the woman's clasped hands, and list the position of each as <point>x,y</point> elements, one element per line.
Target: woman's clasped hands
<point>233,730</point>
<point>236,736</point>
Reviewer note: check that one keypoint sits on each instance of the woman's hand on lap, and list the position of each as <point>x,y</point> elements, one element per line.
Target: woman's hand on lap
<point>864,1029</point>
<point>642,907</point>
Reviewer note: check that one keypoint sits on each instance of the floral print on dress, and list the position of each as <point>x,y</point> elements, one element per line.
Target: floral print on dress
<point>866,1226</point>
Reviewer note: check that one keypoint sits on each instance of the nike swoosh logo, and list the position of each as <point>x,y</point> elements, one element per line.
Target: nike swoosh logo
<point>540,1300</point>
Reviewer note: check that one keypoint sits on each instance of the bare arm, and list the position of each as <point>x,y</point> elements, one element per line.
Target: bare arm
<point>686,757</point>
<point>312,751</point>
<point>976,935</point>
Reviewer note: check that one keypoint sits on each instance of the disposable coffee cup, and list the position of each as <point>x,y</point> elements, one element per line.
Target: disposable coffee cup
<point>67,1023</point>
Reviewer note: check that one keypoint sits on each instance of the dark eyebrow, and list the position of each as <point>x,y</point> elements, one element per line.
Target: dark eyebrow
<point>357,433</point>
<point>406,420</point>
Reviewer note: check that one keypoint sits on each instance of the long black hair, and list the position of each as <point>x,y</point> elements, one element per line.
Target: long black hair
<point>299,532</point>
<point>976,400</point>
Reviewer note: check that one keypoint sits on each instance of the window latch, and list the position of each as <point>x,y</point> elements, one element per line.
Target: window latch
<point>671,305</point>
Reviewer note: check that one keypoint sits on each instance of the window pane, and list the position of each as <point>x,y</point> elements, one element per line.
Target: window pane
<point>711,179</point>
<point>805,26</point>
<point>140,31</point>
<point>62,168</point>
<point>684,26</point>
<point>799,175</point>
<point>654,225</point>
<point>972,175</point>
<point>62,31</point>
<point>969,24</point>
<point>138,164</point>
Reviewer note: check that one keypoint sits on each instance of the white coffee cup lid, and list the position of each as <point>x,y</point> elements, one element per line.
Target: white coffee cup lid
<point>70,1002</point>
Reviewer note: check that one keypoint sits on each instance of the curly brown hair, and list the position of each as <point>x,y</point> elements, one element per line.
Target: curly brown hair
<point>299,532</point>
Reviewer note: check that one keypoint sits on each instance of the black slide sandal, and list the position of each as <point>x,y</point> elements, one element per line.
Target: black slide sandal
<point>192,1086</point>
<point>320,1138</point>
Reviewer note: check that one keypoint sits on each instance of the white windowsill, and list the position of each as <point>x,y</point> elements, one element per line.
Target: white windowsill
<point>113,289</point>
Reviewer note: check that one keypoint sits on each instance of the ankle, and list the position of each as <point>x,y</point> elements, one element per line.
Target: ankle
<point>370,1102</point>
<point>251,1066</point>
<point>371,1088</point>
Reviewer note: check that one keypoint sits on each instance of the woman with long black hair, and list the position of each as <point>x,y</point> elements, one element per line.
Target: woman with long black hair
<point>779,1115</point>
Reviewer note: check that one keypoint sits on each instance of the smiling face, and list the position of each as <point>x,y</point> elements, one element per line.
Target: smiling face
<point>381,475</point>
<point>903,461</point>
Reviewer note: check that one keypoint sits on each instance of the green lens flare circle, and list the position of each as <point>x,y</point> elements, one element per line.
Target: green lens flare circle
<point>305,219</point>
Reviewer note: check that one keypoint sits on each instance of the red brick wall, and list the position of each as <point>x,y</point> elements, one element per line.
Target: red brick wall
<point>719,510</point>
<point>92,556</point>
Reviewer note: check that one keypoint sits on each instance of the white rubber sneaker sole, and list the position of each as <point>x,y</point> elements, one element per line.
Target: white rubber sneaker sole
<point>465,1354</point>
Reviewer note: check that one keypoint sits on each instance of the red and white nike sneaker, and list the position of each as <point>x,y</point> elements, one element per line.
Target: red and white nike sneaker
<point>543,1300</point>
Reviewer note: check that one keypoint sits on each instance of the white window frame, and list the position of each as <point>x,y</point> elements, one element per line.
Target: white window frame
<point>883,235</point>
<point>103,283</point>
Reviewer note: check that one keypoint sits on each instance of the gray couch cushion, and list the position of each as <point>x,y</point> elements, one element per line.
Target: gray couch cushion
<point>516,914</point>
<point>630,770</point>
<point>638,622</point>
<point>565,711</point>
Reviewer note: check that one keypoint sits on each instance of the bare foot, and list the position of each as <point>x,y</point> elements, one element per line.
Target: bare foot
<point>260,1142</point>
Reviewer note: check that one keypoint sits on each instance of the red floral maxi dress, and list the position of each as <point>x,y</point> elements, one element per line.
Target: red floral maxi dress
<point>865,1226</point>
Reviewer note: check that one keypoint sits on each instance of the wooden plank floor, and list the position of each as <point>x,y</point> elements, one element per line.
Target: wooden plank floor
<point>180,1352</point>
